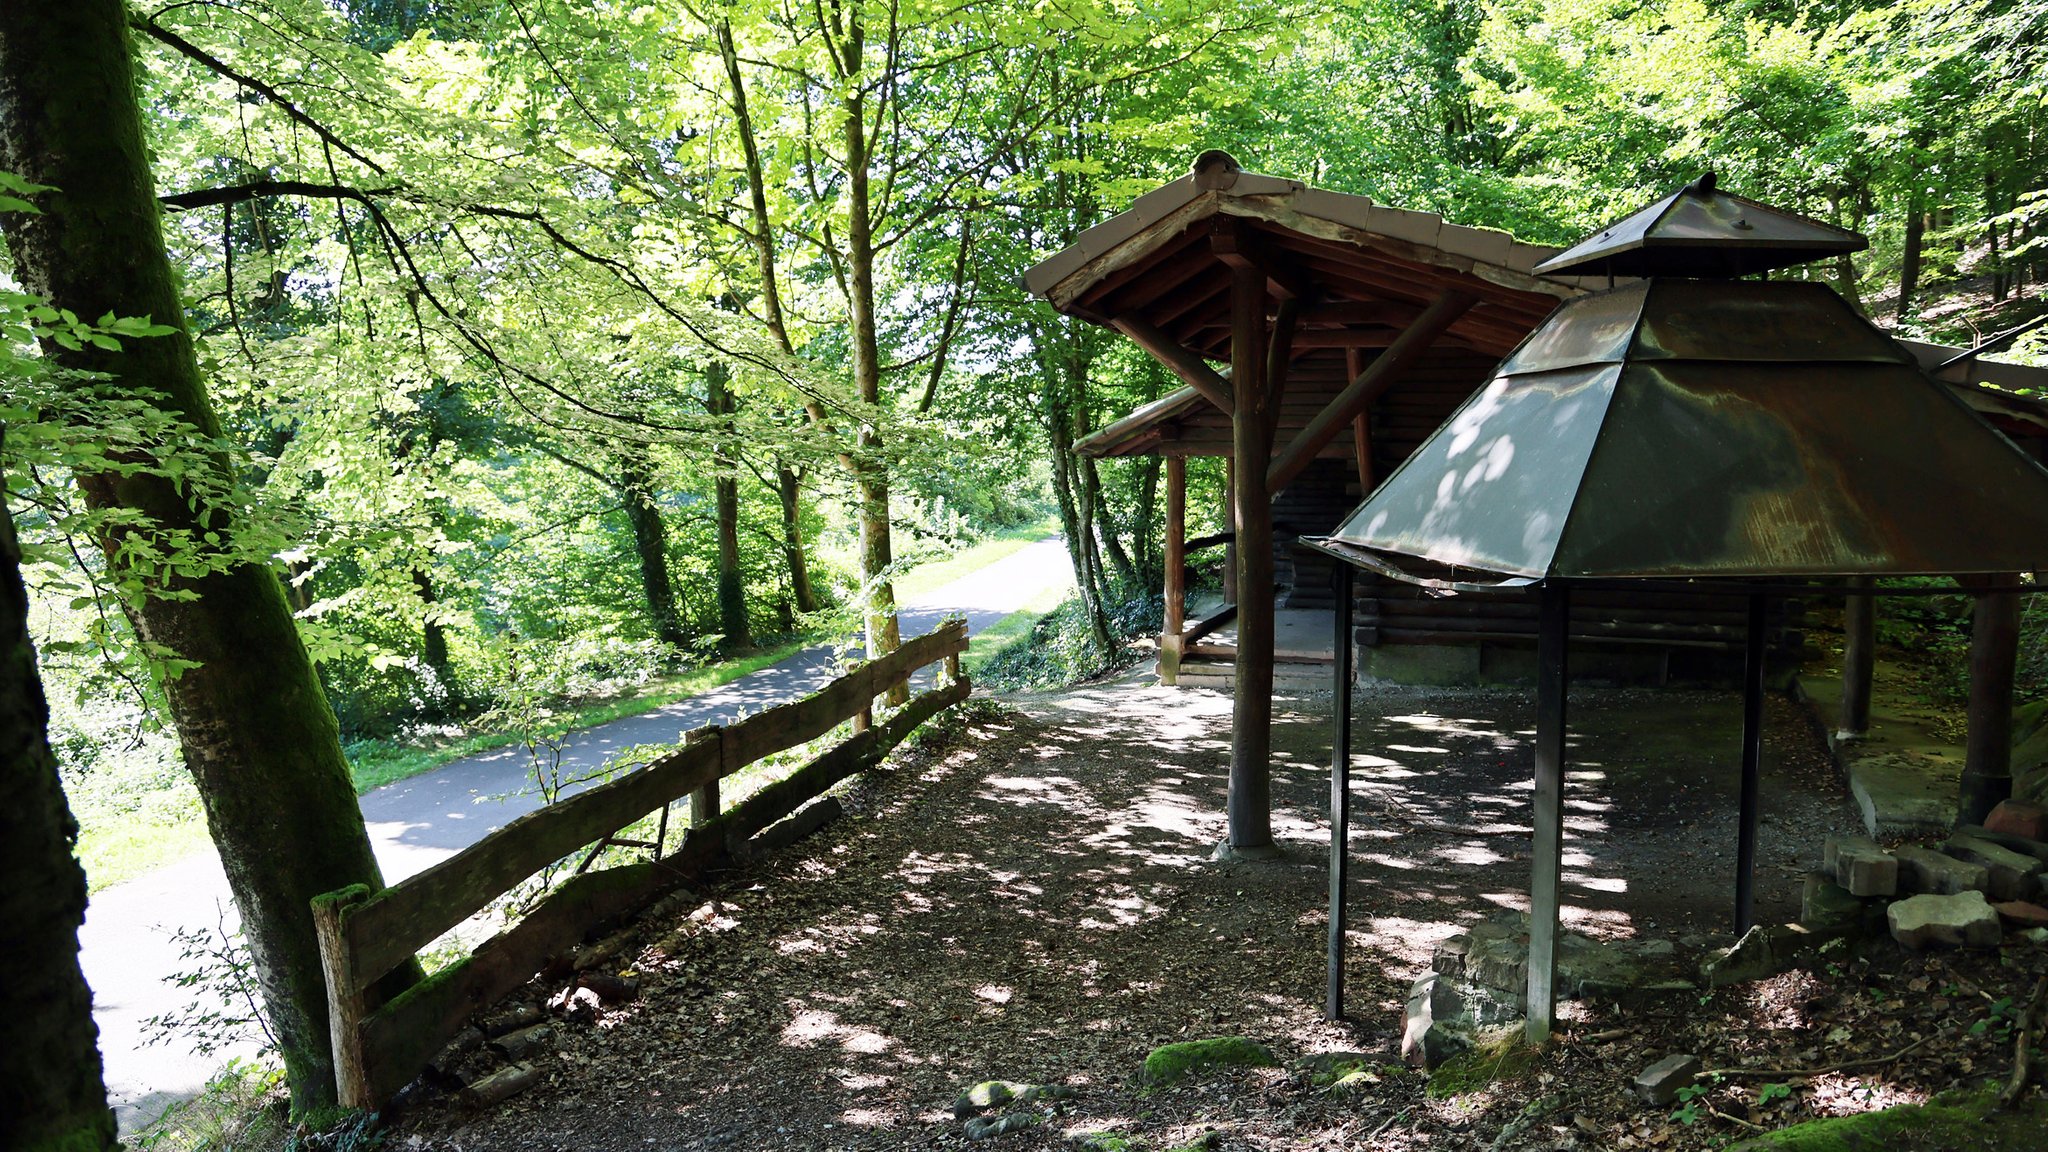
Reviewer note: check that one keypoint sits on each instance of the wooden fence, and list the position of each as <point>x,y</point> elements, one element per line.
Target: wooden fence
<point>380,1046</point>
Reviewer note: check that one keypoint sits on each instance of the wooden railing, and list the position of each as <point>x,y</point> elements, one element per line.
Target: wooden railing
<point>379,1047</point>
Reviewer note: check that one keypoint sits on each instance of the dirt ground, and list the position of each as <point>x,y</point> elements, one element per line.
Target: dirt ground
<point>1034,902</point>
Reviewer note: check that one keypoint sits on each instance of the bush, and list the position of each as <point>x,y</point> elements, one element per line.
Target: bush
<point>1060,651</point>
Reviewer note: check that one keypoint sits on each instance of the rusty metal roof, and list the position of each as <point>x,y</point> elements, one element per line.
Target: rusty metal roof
<point>1687,428</point>
<point>1700,230</point>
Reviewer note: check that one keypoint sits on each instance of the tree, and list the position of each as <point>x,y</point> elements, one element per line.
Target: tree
<point>52,1096</point>
<point>255,727</point>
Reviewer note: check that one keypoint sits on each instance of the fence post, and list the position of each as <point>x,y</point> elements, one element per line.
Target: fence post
<point>704,801</point>
<point>346,1002</point>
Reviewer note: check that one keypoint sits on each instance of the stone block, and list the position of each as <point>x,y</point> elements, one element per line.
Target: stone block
<point>1860,866</point>
<point>1444,1014</point>
<point>2009,875</point>
<point>1824,903</point>
<point>1925,870</point>
<point>518,1045</point>
<point>1658,1084</point>
<point>1449,956</point>
<point>2021,914</point>
<point>2019,818</point>
<point>1964,919</point>
<point>2019,844</point>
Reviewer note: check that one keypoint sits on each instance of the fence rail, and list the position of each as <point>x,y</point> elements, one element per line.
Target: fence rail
<point>379,1047</point>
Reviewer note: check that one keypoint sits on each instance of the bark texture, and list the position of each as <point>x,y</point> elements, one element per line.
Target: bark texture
<point>52,1095</point>
<point>650,545</point>
<point>256,729</point>
<point>732,581</point>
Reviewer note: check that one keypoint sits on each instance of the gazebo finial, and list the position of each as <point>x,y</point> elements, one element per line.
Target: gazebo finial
<point>1216,170</point>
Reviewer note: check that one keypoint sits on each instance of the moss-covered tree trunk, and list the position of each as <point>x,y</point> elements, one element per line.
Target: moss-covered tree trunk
<point>650,544</point>
<point>257,732</point>
<point>789,486</point>
<point>51,1092</point>
<point>732,581</point>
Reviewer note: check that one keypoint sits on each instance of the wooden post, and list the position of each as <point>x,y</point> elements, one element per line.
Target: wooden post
<point>1340,793</point>
<point>1230,526</point>
<point>1553,676</point>
<point>1755,645</point>
<point>347,999</point>
<point>703,801</point>
<point>1176,569</point>
<point>1859,658</point>
<point>1361,428</point>
<point>1250,793</point>
<point>1994,658</point>
<point>953,667</point>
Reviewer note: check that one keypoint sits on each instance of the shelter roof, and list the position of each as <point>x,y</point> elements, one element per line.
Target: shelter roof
<point>1700,230</point>
<point>1363,270</point>
<point>1689,427</point>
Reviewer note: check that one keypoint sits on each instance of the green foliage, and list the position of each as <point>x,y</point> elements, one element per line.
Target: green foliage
<point>1171,1063</point>
<point>226,1009</point>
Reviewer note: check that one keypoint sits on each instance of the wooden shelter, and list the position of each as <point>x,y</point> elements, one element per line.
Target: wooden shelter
<point>1318,303</point>
<point>1362,327</point>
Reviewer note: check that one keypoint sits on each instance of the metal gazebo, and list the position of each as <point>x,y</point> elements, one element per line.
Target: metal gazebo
<point>1698,430</point>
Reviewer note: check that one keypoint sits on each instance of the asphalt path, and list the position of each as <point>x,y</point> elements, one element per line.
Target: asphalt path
<point>126,946</point>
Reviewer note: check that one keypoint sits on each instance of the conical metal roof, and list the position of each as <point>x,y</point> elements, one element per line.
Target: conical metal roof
<point>1700,230</point>
<point>1696,427</point>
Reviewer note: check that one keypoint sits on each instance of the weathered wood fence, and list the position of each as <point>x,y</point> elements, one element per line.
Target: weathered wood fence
<point>379,1047</point>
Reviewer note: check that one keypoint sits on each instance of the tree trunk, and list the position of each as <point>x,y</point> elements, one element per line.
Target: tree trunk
<point>434,644</point>
<point>650,543</point>
<point>1909,264</point>
<point>257,732</point>
<point>871,470</point>
<point>790,487</point>
<point>732,582</point>
<point>52,1095</point>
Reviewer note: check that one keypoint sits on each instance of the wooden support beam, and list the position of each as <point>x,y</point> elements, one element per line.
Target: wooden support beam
<point>1553,675</point>
<point>1236,244</point>
<point>1249,801</point>
<point>1994,659</point>
<point>1366,387</point>
<point>1350,313</point>
<point>1361,430</point>
<point>1191,368</point>
<point>1176,569</point>
<point>1859,659</point>
<point>1318,338</point>
<point>1279,357</point>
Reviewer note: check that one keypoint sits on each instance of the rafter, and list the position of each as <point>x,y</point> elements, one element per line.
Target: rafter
<point>1191,368</point>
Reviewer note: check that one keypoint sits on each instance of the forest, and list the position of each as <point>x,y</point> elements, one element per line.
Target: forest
<point>529,351</point>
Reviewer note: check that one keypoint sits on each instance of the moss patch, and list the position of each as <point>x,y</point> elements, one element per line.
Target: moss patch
<point>1499,1056</point>
<point>1169,1063</point>
<point>1948,1123</point>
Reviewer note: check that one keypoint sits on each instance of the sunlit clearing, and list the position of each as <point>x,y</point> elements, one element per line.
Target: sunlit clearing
<point>810,1027</point>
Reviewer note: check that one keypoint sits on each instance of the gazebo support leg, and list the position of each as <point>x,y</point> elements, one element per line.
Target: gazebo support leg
<point>1553,634</point>
<point>1859,659</point>
<point>1753,649</point>
<point>1340,792</point>
<point>1176,564</point>
<point>1994,657</point>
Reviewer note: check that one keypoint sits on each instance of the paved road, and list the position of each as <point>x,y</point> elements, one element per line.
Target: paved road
<point>126,948</point>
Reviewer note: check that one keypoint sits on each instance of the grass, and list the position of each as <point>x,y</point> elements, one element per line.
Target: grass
<point>1011,629</point>
<point>389,763</point>
<point>118,851</point>
<point>939,573</point>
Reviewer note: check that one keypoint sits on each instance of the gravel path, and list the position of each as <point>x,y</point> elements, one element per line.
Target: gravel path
<point>1036,904</point>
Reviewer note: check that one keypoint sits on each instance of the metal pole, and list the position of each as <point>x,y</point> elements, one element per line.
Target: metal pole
<point>1553,675</point>
<point>1752,761</point>
<point>1340,792</point>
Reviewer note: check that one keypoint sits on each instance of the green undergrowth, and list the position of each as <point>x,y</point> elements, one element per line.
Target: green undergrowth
<point>1171,1063</point>
<point>1951,1122</point>
<point>243,1107</point>
<point>1501,1056</point>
